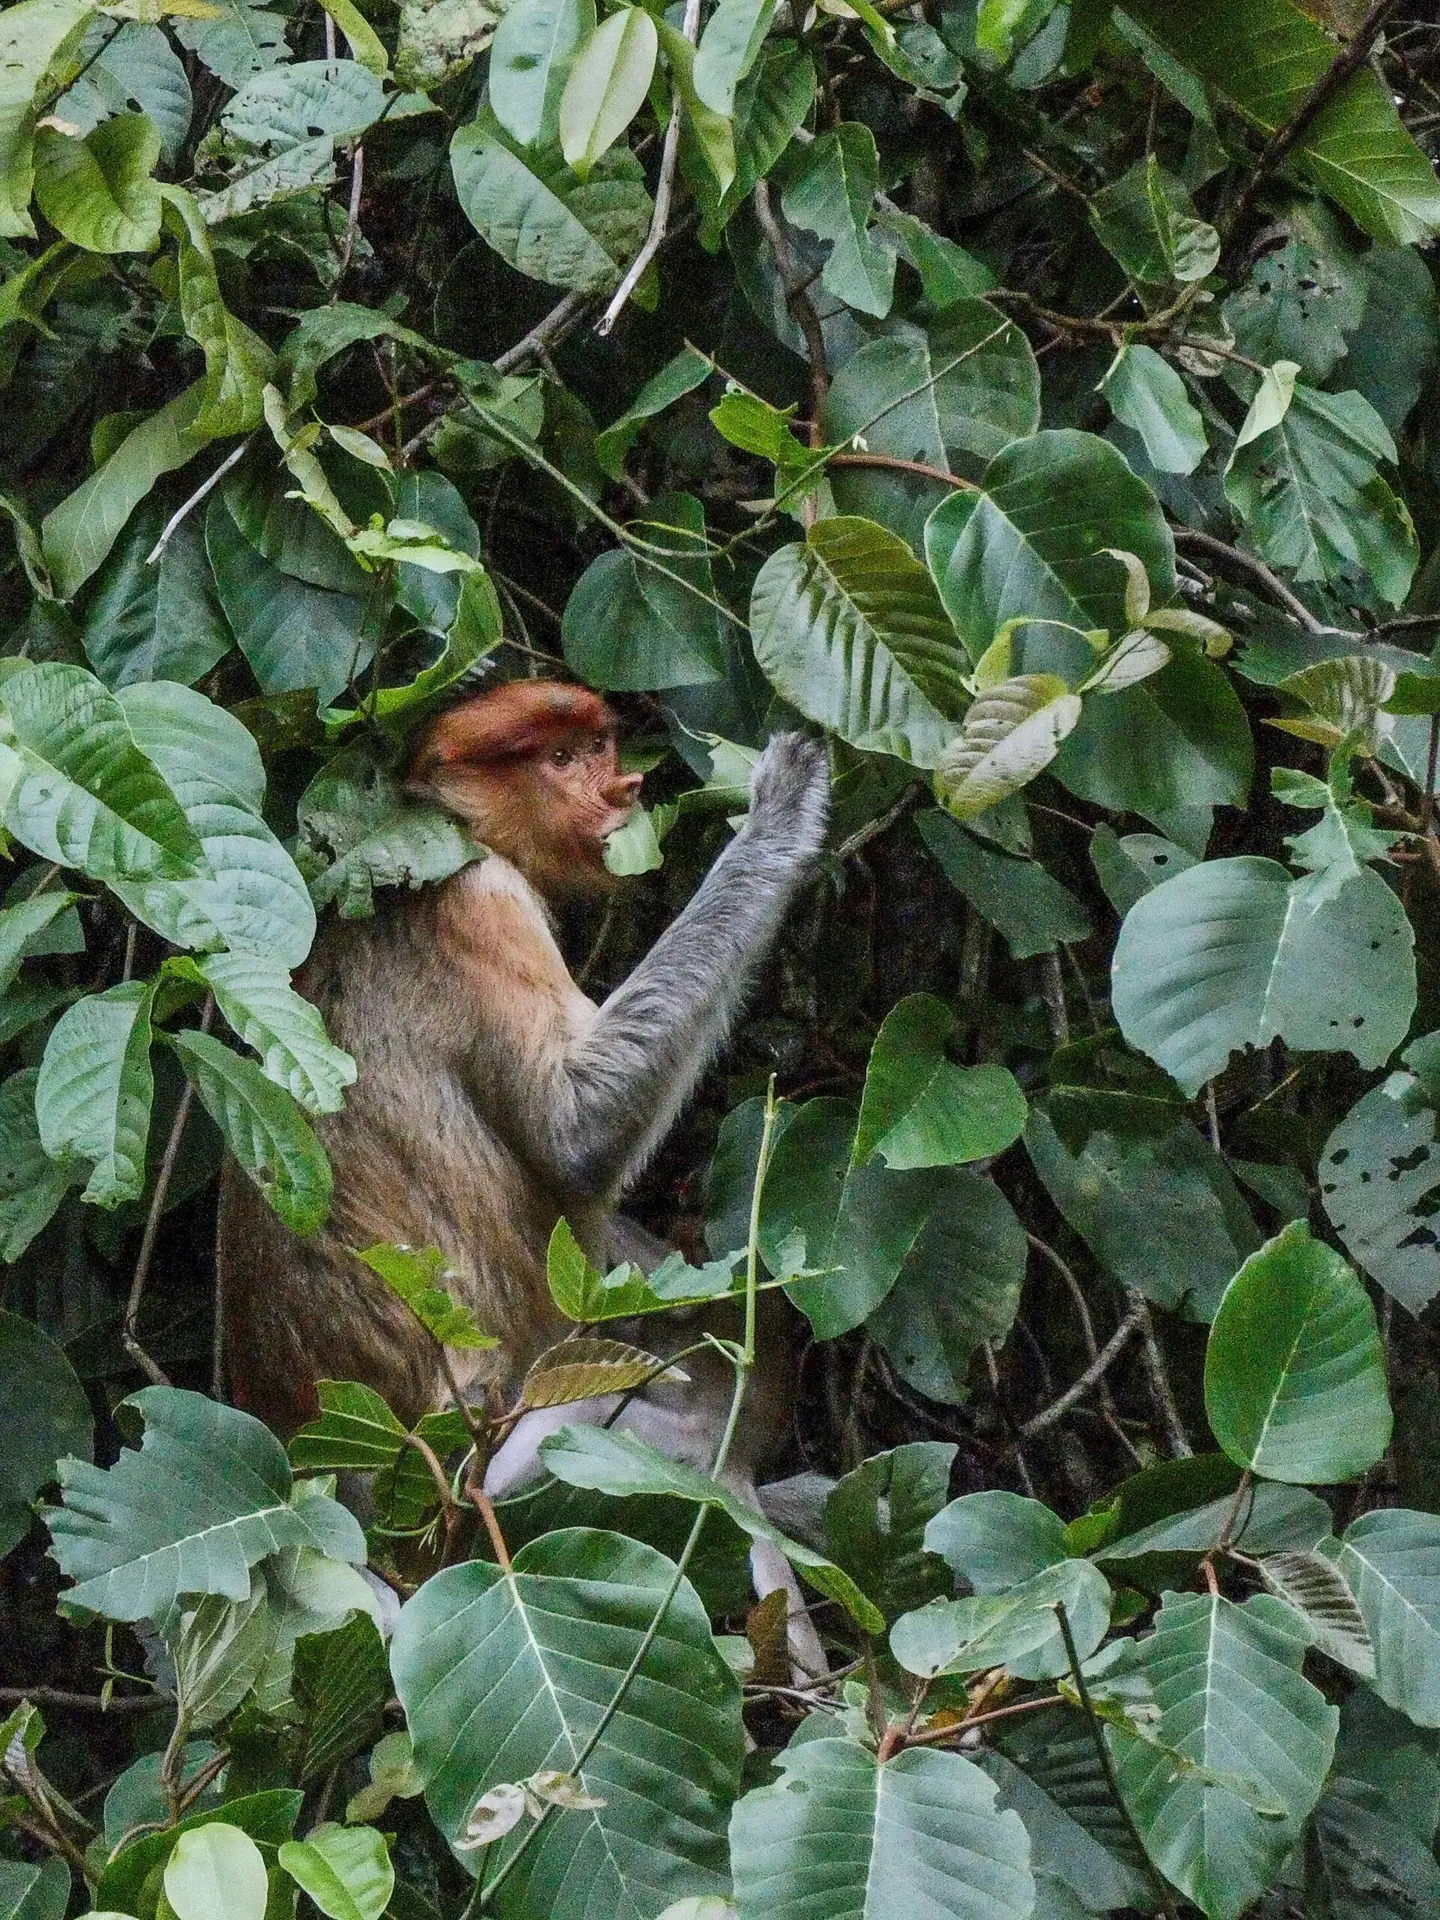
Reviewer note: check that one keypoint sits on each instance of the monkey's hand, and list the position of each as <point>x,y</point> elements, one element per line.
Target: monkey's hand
<point>790,794</point>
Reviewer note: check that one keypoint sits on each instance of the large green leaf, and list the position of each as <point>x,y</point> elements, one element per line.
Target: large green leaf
<point>919,1109</point>
<point>1294,1371</point>
<point>1016,1629</point>
<point>216,1872</point>
<point>157,621</point>
<point>131,1881</point>
<point>1231,1700</point>
<point>93,1097</point>
<point>504,1675</point>
<point>345,1870</point>
<point>1234,953</point>
<point>1147,395</point>
<point>543,220</point>
<point>629,627</point>
<point>206,1495</point>
<point>1011,733</point>
<point>1146,219</point>
<point>135,66</point>
<point>848,627</point>
<point>997,1540</point>
<point>358,832</point>
<point>32,1185</point>
<point>1031,542</point>
<point>1378,1170</point>
<point>29,1892</point>
<point>240,39</point>
<point>1391,1561</point>
<point>1265,59</point>
<point>530,58</point>
<point>79,790</point>
<point>1019,898</point>
<point>264,1129</point>
<point>99,192</point>
<point>33,36</point>
<point>608,80</point>
<point>46,1414</point>
<point>253,992</point>
<point>831,193</point>
<point>253,899</point>
<point>841,1834</point>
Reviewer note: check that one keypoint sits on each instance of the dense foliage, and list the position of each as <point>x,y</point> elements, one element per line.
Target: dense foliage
<point>1036,397</point>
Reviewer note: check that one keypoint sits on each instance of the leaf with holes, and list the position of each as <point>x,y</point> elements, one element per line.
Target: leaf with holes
<point>1379,1177</point>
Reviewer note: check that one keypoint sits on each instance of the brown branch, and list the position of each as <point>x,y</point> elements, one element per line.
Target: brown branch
<point>894,463</point>
<point>1345,65</point>
<point>485,1507</point>
<point>1093,1374</point>
<point>801,307</point>
<point>399,403</point>
<point>1257,570</point>
<point>61,1697</point>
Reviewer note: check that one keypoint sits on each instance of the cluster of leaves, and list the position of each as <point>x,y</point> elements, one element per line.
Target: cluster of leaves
<point>1035,397</point>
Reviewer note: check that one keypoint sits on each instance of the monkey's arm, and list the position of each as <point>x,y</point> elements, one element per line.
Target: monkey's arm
<point>616,1086</point>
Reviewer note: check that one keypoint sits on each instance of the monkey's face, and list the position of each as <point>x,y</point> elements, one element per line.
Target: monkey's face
<point>582,798</point>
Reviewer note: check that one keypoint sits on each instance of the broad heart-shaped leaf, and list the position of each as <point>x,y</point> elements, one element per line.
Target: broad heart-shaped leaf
<point>45,1412</point>
<point>1231,1698</point>
<point>997,1540</point>
<point>79,790</point>
<point>1377,1172</point>
<point>1314,1586</point>
<point>1010,735</point>
<point>1391,1561</point>
<point>77,534</point>
<point>919,1109</point>
<point>99,192</point>
<point>621,1463</point>
<point>1234,952</point>
<point>831,193</point>
<point>253,900</point>
<point>1265,59</point>
<point>1309,494</point>
<point>503,1675</point>
<point>1017,1629</point>
<point>1294,1369</point>
<point>965,384</point>
<point>840,1834</point>
<point>538,216</point>
<point>609,78</point>
<point>629,628</point>
<point>32,35</point>
<point>1031,543</point>
<point>345,1870</point>
<point>288,1033</point>
<point>135,66</point>
<point>958,1286</point>
<point>262,1127</point>
<point>849,629</point>
<point>160,622</point>
<point>92,1100</point>
<point>875,1521</point>
<point>216,1872</point>
<point>32,1185</point>
<point>1147,395</point>
<point>530,58</point>
<point>206,1495</point>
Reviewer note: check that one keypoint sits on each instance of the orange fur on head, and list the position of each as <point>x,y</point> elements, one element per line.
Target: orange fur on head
<point>531,769</point>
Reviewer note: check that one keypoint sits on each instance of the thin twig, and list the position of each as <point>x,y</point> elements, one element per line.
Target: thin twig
<point>873,829</point>
<point>1257,570</point>
<point>153,1372</point>
<point>664,192</point>
<point>1405,623</point>
<point>801,307</point>
<point>1108,1411</point>
<point>485,1507</point>
<point>1093,1374</point>
<point>233,458</point>
<point>1345,65</point>
<point>896,464</point>
<point>398,405</point>
<point>78,1702</point>
<point>352,219</point>
<point>1160,1387</point>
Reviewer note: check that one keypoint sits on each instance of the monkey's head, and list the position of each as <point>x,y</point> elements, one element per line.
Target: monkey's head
<point>532,770</point>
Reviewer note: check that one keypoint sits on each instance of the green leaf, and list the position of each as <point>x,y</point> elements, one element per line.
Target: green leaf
<point>29,1892</point>
<point>237,361</point>
<point>157,621</point>
<point>162,1522</point>
<point>608,81</point>
<point>1391,1561</point>
<point>831,194</point>
<point>414,1274</point>
<point>131,1881</point>
<point>253,899</point>
<point>629,627</point>
<point>80,790</point>
<point>1231,1699</point>
<point>918,1108</point>
<point>288,1033</point>
<point>359,832</point>
<point>100,192</point>
<point>530,59</point>
<point>545,222</point>
<point>262,1127</point>
<point>1377,1172</point>
<point>1147,1193</point>
<point>1010,735</point>
<point>728,50</point>
<point>1167,1551</point>
<point>241,40</point>
<point>345,1870</point>
<point>620,1463</point>
<point>1016,1629</point>
<point>687,371</point>
<point>770,104</point>
<point>1130,864</point>
<point>79,533</point>
<point>875,1521</point>
<point>1023,902</point>
<point>31,1184</point>
<point>1031,542</point>
<point>93,1097</point>
<point>1294,1370</point>
<point>46,1414</point>
<point>920,1834</point>
<point>1234,953</point>
<point>34,36</point>
<point>22,925</point>
<point>1265,59</point>
<point>1147,220</point>
<point>1313,1585</point>
<point>1311,498</point>
<point>503,1675</point>
<point>216,1872</point>
<point>849,629</point>
<point>997,1540</point>
<point>1362,1864</point>
<point>1147,395</point>
<point>284,106</point>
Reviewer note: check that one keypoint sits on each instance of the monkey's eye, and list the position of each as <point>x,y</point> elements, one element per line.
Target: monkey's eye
<point>600,743</point>
<point>561,757</point>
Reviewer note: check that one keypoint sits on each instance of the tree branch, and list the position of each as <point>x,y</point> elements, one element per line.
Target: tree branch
<point>799,303</point>
<point>1257,570</point>
<point>1093,1374</point>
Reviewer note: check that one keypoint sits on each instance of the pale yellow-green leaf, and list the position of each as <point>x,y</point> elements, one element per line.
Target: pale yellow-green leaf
<point>1010,735</point>
<point>607,86</point>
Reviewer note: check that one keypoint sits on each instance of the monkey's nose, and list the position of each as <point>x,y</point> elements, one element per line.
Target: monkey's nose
<point>624,789</point>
